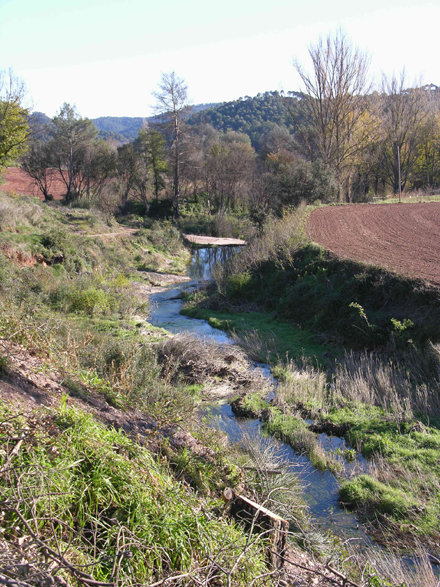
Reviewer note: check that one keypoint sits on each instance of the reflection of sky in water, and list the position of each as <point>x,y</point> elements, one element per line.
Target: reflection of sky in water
<point>321,488</point>
<point>165,311</point>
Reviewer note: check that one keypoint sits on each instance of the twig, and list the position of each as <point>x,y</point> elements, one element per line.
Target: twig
<point>345,580</point>
<point>165,581</point>
<point>12,454</point>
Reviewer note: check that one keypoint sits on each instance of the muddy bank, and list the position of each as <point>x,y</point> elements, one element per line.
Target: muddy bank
<point>153,282</point>
<point>224,371</point>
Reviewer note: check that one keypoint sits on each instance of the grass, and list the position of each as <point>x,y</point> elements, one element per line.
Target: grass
<point>98,500</point>
<point>282,339</point>
<point>399,495</point>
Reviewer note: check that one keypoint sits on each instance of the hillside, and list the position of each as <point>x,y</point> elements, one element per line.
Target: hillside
<point>126,128</point>
<point>101,478</point>
<point>252,116</point>
<point>107,475</point>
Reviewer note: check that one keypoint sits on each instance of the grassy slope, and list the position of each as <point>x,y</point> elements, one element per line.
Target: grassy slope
<point>377,396</point>
<point>77,487</point>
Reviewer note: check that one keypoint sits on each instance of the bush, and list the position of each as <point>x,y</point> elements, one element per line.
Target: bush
<point>89,301</point>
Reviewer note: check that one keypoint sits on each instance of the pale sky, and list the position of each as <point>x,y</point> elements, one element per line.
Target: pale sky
<point>107,56</point>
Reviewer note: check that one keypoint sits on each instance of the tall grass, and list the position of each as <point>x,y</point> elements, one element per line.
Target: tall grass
<point>279,242</point>
<point>90,505</point>
<point>405,385</point>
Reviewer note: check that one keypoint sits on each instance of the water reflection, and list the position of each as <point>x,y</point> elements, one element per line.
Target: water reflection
<point>203,261</point>
<point>166,305</point>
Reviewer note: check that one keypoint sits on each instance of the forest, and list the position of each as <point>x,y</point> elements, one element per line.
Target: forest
<point>340,139</point>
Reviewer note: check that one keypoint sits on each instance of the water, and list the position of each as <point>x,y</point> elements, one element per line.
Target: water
<point>166,305</point>
<point>320,487</point>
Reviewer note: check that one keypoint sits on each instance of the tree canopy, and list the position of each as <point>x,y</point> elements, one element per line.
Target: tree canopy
<point>14,128</point>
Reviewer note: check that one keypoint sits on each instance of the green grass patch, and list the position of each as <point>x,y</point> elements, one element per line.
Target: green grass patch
<point>97,495</point>
<point>284,339</point>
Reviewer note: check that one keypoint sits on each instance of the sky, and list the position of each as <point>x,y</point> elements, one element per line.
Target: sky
<point>107,56</point>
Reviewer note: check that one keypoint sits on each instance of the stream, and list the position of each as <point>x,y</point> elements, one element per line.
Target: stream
<point>320,488</point>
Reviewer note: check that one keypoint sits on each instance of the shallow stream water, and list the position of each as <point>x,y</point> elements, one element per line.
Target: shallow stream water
<point>320,487</point>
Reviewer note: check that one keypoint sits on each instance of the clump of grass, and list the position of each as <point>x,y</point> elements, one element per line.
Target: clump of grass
<point>280,338</point>
<point>403,387</point>
<point>293,430</point>
<point>4,364</point>
<point>388,569</point>
<point>93,499</point>
<point>271,481</point>
<point>257,347</point>
<point>302,385</point>
<point>288,427</point>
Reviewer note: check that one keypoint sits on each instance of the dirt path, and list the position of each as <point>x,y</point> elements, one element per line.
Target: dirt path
<point>403,238</point>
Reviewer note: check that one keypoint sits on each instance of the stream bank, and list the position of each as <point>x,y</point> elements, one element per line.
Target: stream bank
<point>321,490</point>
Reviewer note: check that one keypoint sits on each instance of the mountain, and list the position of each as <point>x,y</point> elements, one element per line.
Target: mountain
<point>124,128</point>
<point>252,116</point>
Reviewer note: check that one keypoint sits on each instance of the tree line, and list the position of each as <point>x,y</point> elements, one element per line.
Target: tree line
<point>339,139</point>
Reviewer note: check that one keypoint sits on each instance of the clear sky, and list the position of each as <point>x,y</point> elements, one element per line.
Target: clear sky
<point>106,56</point>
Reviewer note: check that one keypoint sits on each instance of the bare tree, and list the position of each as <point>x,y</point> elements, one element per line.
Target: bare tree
<point>333,103</point>
<point>404,111</point>
<point>173,104</point>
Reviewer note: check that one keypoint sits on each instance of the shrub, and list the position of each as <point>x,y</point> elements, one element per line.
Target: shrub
<point>90,301</point>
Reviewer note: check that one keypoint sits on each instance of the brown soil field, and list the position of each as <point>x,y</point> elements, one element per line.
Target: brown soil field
<point>17,181</point>
<point>403,238</point>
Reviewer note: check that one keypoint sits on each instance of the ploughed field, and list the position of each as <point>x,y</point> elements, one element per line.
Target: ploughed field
<point>18,181</point>
<point>404,238</point>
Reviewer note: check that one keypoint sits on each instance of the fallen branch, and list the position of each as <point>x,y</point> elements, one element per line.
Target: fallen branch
<point>345,580</point>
